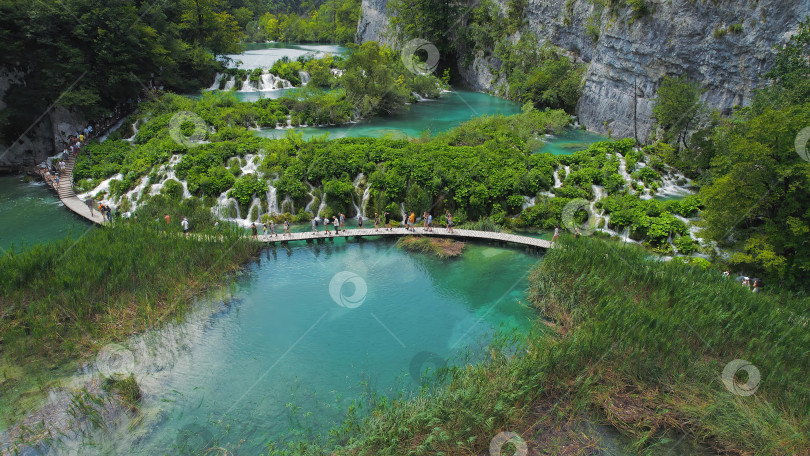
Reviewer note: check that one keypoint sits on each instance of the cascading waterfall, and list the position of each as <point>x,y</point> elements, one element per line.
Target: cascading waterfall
<point>308,207</point>
<point>364,201</point>
<point>528,202</point>
<point>305,77</point>
<point>322,206</point>
<point>418,97</point>
<point>217,80</point>
<point>557,182</point>
<point>257,203</point>
<point>357,181</point>
<point>272,200</point>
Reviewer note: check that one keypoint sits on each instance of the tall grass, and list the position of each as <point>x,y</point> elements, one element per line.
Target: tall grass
<point>65,297</point>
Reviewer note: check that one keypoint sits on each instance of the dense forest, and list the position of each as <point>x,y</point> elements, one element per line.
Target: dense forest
<point>91,55</point>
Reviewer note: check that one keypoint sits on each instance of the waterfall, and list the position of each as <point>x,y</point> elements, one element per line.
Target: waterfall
<point>364,201</point>
<point>134,132</point>
<point>528,202</point>
<point>251,166</point>
<point>322,206</point>
<point>418,97</point>
<point>623,171</point>
<point>272,200</point>
<point>257,203</point>
<point>217,80</point>
<point>336,72</point>
<point>357,181</point>
<point>557,181</point>
<point>225,207</point>
<point>308,207</point>
<point>305,77</point>
<point>402,208</point>
<point>230,84</point>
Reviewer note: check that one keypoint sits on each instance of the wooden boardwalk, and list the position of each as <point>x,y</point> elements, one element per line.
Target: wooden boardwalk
<point>399,232</point>
<point>68,197</point>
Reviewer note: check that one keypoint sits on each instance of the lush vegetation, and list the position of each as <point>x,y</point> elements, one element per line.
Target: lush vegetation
<point>90,56</point>
<point>484,169</point>
<point>638,343</point>
<point>755,185</point>
<point>332,22</point>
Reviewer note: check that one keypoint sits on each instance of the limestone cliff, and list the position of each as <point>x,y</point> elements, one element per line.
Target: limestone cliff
<point>675,37</point>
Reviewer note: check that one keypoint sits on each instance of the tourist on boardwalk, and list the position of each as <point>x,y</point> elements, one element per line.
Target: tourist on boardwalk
<point>326,225</point>
<point>424,221</point>
<point>89,202</point>
<point>757,286</point>
<point>360,221</point>
<point>342,222</point>
<point>449,218</point>
<point>336,223</point>
<point>264,228</point>
<point>411,221</point>
<point>430,222</point>
<point>314,224</point>
<point>286,227</point>
<point>387,217</point>
<point>272,227</point>
<point>253,229</point>
<point>184,224</point>
<point>556,234</point>
<point>376,222</point>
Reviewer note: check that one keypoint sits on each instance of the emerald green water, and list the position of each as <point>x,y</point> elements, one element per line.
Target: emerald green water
<point>569,141</point>
<point>280,356</point>
<point>30,213</point>
<point>451,109</point>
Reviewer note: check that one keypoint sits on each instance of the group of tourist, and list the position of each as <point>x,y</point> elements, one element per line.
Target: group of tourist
<point>338,221</point>
<point>755,285</point>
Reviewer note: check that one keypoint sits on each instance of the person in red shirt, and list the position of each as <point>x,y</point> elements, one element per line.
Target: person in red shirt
<point>168,219</point>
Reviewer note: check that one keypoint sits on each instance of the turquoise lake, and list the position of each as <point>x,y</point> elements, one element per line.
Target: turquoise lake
<point>279,356</point>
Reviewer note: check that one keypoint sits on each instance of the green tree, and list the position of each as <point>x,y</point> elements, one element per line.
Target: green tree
<point>373,84</point>
<point>678,108</point>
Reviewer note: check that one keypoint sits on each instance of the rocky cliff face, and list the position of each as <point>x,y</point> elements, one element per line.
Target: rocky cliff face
<point>675,37</point>
<point>44,137</point>
<point>373,23</point>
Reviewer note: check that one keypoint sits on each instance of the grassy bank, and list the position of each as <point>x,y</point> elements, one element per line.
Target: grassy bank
<point>63,300</point>
<point>442,248</point>
<point>639,344</point>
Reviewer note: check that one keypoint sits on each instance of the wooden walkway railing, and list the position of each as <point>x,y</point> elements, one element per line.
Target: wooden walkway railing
<point>398,232</point>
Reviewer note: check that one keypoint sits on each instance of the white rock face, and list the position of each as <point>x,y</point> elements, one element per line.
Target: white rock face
<point>676,37</point>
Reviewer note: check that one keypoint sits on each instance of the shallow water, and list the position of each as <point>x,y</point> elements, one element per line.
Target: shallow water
<point>283,356</point>
<point>30,213</point>
<point>570,141</point>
